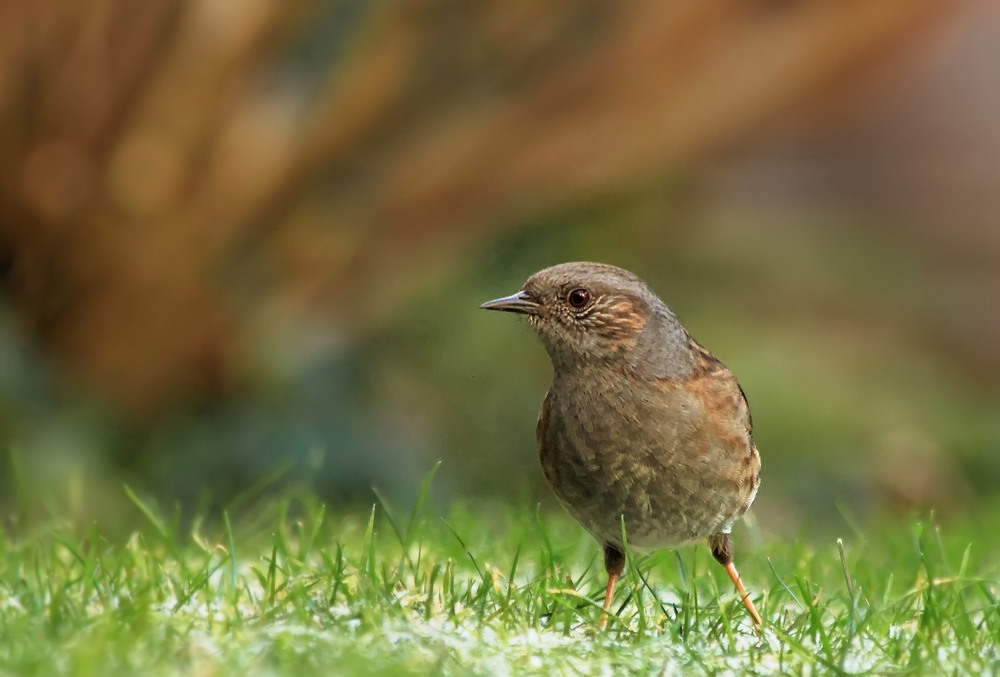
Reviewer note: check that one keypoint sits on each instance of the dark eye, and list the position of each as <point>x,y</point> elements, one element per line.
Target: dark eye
<point>578,298</point>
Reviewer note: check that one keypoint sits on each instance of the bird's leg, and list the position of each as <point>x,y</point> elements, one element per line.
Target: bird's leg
<point>614,564</point>
<point>722,550</point>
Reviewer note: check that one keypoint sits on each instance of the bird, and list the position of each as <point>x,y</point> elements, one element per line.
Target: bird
<point>644,436</point>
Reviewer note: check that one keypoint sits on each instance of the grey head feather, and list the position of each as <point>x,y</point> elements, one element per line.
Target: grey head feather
<point>661,349</point>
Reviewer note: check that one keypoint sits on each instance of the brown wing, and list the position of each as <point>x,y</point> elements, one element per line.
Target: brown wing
<point>707,451</point>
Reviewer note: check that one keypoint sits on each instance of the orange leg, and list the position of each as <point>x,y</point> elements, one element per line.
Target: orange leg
<point>722,550</point>
<point>734,576</point>
<point>614,564</point>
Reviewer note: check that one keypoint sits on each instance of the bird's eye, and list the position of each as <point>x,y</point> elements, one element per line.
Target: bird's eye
<point>578,297</point>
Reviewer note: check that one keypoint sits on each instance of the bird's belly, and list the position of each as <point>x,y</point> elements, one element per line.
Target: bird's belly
<point>670,488</point>
<point>652,513</point>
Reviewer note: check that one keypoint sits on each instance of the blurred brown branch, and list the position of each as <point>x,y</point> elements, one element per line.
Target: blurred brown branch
<point>147,148</point>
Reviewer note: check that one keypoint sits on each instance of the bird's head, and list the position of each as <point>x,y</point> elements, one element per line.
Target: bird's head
<point>590,313</point>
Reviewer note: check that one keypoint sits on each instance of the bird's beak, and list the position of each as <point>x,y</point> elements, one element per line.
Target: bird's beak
<point>520,302</point>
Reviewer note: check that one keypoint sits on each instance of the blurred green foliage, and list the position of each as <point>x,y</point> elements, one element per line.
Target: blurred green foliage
<point>241,243</point>
<point>856,408</point>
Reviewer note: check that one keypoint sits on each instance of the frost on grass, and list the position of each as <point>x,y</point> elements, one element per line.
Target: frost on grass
<point>328,613</point>
<point>257,632</point>
<point>464,645</point>
<point>461,641</point>
<point>453,641</point>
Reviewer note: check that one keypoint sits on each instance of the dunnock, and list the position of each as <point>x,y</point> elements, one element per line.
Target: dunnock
<point>642,425</point>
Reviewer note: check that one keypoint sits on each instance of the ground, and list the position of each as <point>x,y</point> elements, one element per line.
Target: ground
<point>289,587</point>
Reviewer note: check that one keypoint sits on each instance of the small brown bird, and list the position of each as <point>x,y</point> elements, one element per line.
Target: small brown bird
<point>642,425</point>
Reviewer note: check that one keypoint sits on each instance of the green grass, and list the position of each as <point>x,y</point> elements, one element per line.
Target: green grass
<point>290,587</point>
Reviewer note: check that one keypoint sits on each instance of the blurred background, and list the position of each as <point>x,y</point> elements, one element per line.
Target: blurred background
<point>244,243</point>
